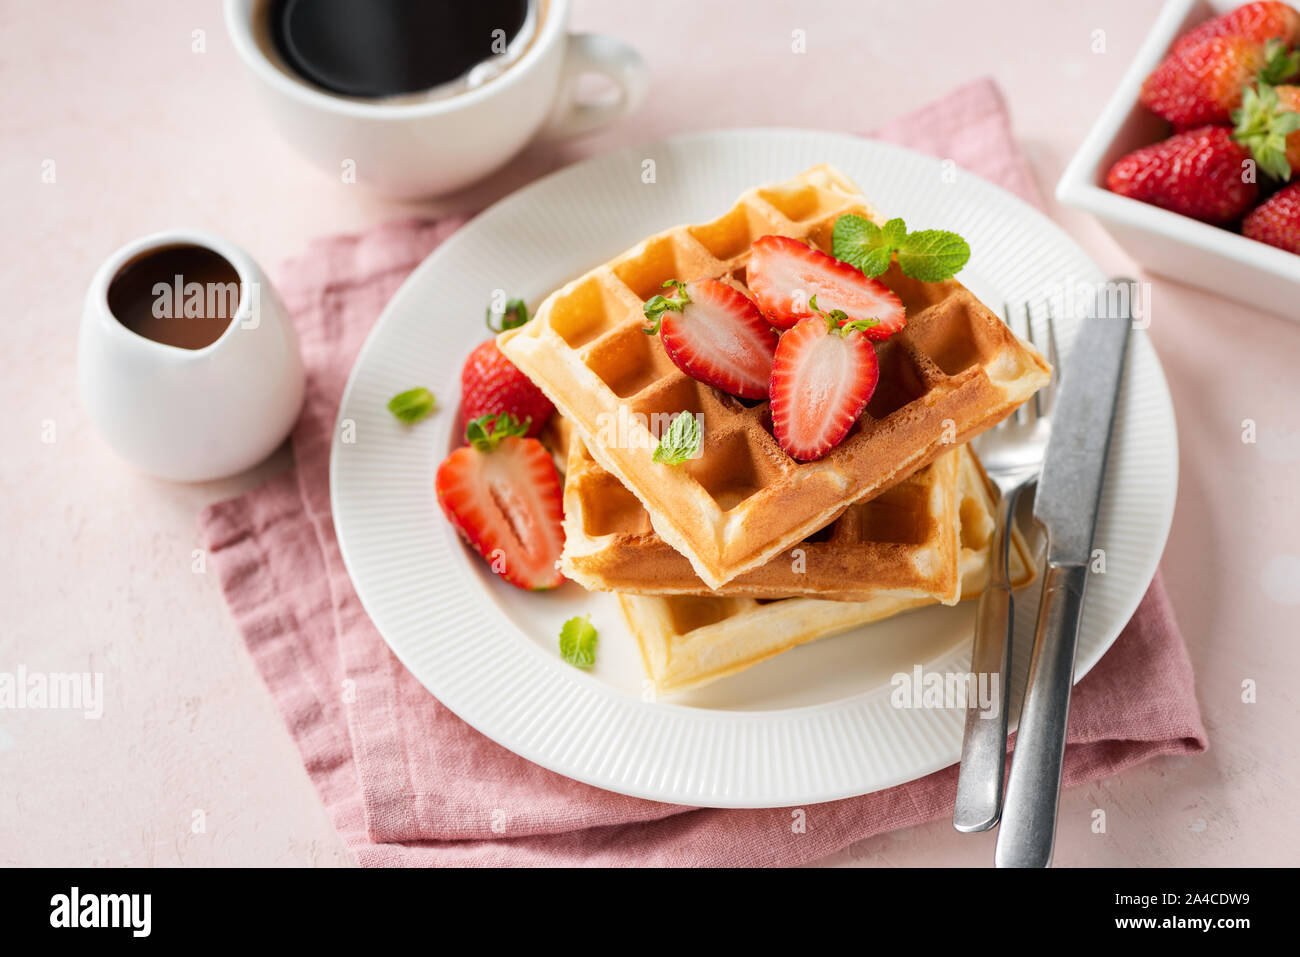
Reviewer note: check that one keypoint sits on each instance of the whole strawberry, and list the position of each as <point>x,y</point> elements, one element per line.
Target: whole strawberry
<point>491,384</point>
<point>1276,221</point>
<point>1202,83</point>
<point>1268,20</point>
<point>1199,173</point>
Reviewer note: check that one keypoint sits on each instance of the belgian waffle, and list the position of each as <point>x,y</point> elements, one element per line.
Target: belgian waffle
<point>903,541</point>
<point>689,641</point>
<point>954,371</point>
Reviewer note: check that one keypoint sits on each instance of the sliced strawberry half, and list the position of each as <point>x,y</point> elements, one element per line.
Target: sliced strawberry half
<point>503,494</point>
<point>784,274</point>
<point>823,376</point>
<point>715,334</point>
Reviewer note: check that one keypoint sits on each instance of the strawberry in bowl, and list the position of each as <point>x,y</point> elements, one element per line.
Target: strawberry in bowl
<point>1196,173</point>
<point>1223,86</point>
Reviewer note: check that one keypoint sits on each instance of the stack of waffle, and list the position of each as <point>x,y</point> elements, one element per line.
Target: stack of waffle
<point>743,552</point>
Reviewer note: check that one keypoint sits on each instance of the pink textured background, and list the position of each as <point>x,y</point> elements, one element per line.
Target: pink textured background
<point>96,563</point>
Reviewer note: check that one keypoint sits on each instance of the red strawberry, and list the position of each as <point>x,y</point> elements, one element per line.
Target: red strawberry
<point>784,275</point>
<point>1197,173</point>
<point>713,333</point>
<point>1202,82</point>
<point>1261,22</point>
<point>491,384</point>
<point>503,494</point>
<point>1276,221</point>
<point>822,379</point>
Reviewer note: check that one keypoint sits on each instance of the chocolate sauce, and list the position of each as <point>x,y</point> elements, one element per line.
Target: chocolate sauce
<point>182,295</point>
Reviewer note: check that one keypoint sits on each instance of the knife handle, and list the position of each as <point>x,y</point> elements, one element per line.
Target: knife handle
<point>984,744</point>
<point>1028,828</point>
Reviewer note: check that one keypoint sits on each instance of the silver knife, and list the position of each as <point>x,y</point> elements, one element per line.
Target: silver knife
<point>1066,504</point>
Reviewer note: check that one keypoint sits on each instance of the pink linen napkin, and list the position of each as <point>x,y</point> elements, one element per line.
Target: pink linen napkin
<point>407,783</point>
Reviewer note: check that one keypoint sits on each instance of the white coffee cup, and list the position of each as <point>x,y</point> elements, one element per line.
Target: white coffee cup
<point>191,414</point>
<point>418,149</point>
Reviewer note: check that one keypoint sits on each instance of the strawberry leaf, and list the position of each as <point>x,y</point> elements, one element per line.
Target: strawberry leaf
<point>487,431</point>
<point>578,642</point>
<point>932,255</point>
<point>680,442</point>
<point>655,308</point>
<point>412,405</point>
<point>1262,126</point>
<point>1280,64</point>
<point>835,317</point>
<point>858,325</point>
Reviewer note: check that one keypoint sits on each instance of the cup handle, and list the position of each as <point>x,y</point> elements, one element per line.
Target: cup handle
<point>594,53</point>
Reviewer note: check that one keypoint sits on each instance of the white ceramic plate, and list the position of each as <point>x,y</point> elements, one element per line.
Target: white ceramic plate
<point>812,725</point>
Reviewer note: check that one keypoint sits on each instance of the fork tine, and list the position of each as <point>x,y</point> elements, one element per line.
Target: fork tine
<point>1049,390</point>
<point>1021,413</point>
<point>1006,317</point>
<point>1039,410</point>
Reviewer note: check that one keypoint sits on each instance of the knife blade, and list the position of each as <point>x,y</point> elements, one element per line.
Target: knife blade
<point>1066,504</point>
<point>1069,489</point>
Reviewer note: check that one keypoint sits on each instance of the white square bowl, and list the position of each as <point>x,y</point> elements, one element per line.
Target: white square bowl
<point>1166,243</point>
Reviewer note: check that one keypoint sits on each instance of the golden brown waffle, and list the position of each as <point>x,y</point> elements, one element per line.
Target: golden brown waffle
<point>903,541</point>
<point>954,371</point>
<point>689,641</point>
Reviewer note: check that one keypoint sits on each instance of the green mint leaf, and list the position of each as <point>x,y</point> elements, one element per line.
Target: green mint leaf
<point>514,315</point>
<point>859,242</point>
<point>412,405</point>
<point>680,442</point>
<point>894,231</point>
<point>657,305</point>
<point>578,642</point>
<point>487,431</point>
<point>932,255</point>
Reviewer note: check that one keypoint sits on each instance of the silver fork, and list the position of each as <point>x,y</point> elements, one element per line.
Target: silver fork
<point>1012,454</point>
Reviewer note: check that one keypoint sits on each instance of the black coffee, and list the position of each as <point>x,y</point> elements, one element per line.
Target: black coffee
<point>382,48</point>
<point>180,295</point>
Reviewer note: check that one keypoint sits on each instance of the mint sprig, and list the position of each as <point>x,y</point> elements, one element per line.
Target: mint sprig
<point>488,431</point>
<point>680,442</point>
<point>578,642</point>
<point>929,255</point>
<point>657,305</point>
<point>514,315</point>
<point>859,242</point>
<point>412,405</point>
<point>932,255</point>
